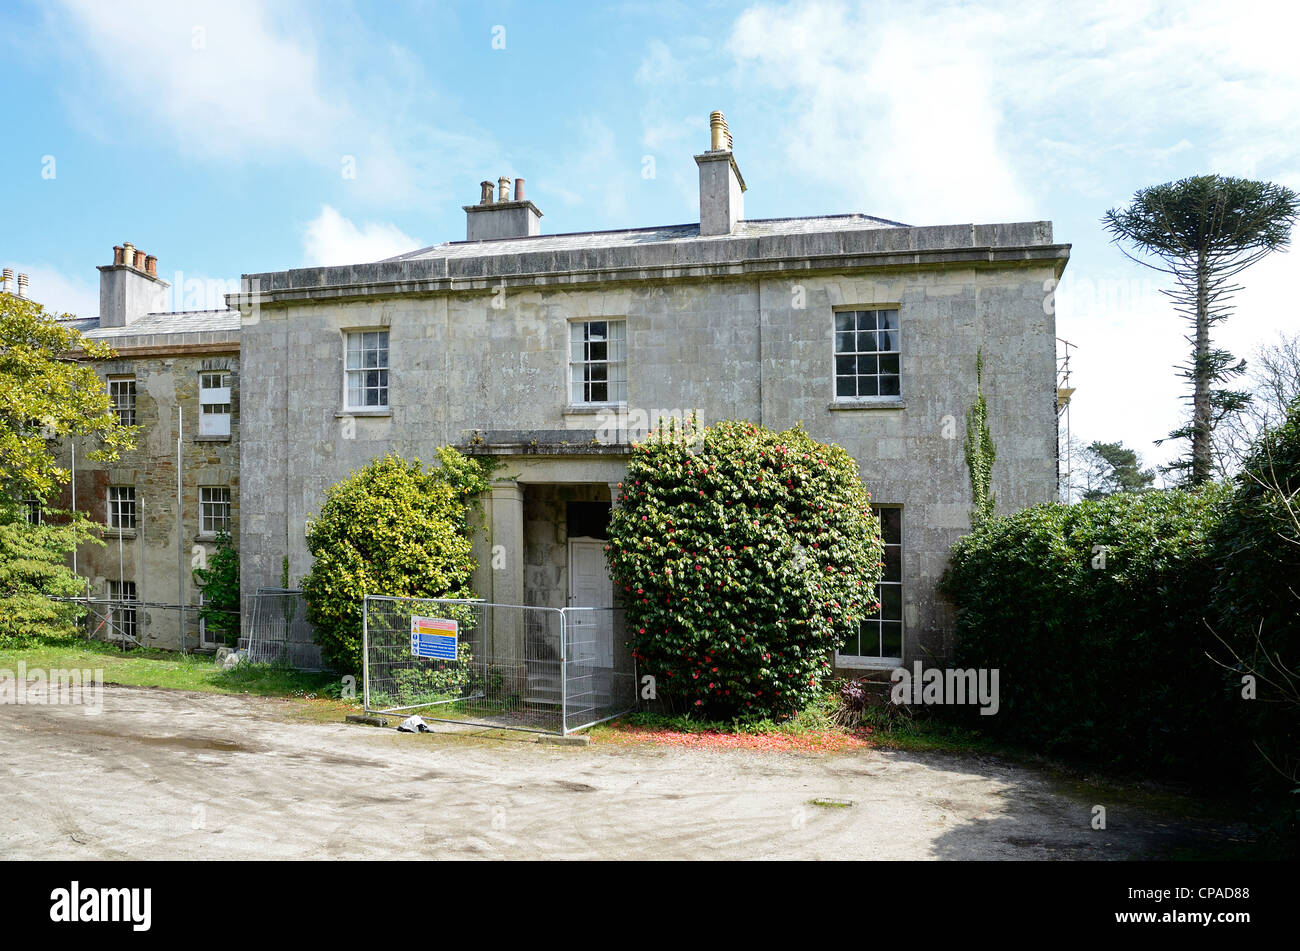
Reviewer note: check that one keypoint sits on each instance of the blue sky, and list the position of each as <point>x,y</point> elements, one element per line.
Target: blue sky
<point>218,136</point>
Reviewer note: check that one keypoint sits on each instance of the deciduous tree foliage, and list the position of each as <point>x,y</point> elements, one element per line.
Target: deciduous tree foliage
<point>34,568</point>
<point>744,558</point>
<point>392,528</point>
<point>47,393</point>
<point>220,584</point>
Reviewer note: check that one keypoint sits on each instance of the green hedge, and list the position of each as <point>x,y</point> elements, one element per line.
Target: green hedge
<point>1108,662</point>
<point>744,558</point>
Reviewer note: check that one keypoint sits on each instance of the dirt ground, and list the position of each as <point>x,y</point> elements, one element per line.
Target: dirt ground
<point>164,774</point>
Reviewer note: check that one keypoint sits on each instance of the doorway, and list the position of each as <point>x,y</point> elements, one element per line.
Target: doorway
<point>591,637</point>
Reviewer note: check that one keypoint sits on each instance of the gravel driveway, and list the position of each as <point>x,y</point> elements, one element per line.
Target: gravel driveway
<point>165,774</point>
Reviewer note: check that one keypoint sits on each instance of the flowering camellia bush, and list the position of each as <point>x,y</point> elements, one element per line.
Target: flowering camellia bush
<point>744,557</point>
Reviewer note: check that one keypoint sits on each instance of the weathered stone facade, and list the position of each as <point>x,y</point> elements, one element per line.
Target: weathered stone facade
<point>165,354</point>
<point>739,326</point>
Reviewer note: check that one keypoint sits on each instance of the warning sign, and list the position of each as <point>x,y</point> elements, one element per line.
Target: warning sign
<point>434,637</point>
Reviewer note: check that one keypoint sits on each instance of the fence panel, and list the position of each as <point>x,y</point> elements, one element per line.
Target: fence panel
<point>495,665</point>
<point>600,678</point>
<point>279,632</point>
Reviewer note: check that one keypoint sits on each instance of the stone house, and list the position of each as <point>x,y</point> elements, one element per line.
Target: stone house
<point>553,352</point>
<point>172,370</point>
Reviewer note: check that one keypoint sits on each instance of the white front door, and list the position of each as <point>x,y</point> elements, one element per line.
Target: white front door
<point>591,634</point>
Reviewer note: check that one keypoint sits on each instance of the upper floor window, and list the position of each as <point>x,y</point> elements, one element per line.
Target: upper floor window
<point>879,640</point>
<point>214,403</point>
<point>34,511</point>
<point>867,350</point>
<point>366,370</point>
<point>214,510</point>
<point>121,507</point>
<point>598,361</point>
<point>121,392</point>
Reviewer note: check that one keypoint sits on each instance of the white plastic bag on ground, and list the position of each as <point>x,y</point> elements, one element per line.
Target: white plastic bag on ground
<point>414,725</point>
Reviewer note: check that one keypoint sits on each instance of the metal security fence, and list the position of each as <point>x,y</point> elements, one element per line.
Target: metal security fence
<point>548,670</point>
<point>128,623</point>
<point>278,631</point>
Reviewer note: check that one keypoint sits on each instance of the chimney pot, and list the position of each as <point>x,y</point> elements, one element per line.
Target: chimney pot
<point>117,254</point>
<point>503,188</point>
<point>22,285</point>
<point>722,189</point>
<point>519,189</point>
<point>151,265</point>
<point>720,133</point>
<point>486,197</point>
<point>8,280</point>
<point>139,260</point>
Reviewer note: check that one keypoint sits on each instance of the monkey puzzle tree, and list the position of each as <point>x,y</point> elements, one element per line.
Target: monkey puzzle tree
<point>1203,231</point>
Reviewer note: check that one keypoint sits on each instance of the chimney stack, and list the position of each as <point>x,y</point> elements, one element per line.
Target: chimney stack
<point>7,286</point>
<point>503,217</point>
<point>22,286</point>
<point>722,188</point>
<point>129,288</point>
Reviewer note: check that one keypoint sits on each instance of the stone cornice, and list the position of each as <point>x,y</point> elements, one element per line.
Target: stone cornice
<point>884,249</point>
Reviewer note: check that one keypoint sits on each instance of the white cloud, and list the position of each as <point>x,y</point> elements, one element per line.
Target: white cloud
<point>902,121</point>
<point>658,65</point>
<point>330,239</point>
<point>235,80</point>
<point>57,292</point>
<point>221,76</point>
<point>938,113</point>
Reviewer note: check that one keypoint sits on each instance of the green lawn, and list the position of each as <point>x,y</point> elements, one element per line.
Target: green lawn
<point>154,668</point>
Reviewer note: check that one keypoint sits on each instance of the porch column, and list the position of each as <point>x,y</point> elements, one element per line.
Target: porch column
<point>507,552</point>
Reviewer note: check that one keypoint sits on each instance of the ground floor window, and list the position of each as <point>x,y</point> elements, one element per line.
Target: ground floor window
<point>879,639</point>
<point>121,594</point>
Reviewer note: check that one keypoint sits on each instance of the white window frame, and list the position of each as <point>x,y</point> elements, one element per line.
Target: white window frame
<point>121,391</point>
<point>381,369</point>
<point>211,495</point>
<point>214,403</point>
<point>896,352</point>
<point>115,508</point>
<point>34,511</point>
<point>873,661</point>
<point>580,347</point>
